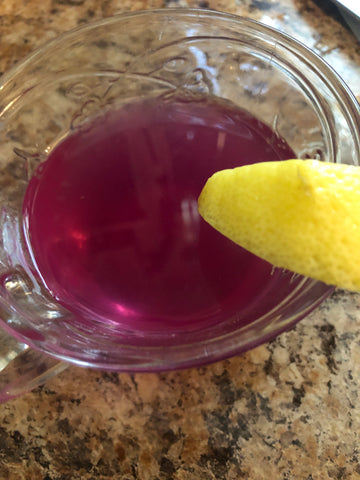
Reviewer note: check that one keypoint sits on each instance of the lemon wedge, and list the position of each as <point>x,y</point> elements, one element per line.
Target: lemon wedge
<point>301,215</point>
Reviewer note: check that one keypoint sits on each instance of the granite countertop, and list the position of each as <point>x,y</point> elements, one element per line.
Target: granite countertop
<point>287,410</point>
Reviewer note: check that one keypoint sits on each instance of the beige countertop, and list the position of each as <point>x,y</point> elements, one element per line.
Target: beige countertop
<point>287,410</point>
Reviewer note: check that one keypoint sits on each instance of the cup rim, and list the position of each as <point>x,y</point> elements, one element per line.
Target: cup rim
<point>325,71</point>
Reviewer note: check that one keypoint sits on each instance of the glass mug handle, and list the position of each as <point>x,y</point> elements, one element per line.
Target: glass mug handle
<point>23,368</point>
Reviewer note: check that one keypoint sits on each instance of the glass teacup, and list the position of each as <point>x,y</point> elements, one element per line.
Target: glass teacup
<point>184,56</point>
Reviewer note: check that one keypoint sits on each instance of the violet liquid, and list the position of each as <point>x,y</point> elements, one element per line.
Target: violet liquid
<point>112,224</point>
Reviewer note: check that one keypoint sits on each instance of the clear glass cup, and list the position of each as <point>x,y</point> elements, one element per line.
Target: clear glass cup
<point>189,54</point>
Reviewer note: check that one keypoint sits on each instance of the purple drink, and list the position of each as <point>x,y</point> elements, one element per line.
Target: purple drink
<point>112,224</point>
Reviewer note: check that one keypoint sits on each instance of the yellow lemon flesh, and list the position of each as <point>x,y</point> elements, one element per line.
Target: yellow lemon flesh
<point>302,215</point>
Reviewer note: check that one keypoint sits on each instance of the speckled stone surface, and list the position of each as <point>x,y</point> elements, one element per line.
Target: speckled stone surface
<point>287,410</point>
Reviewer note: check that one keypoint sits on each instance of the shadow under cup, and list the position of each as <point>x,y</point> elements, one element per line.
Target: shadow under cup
<point>173,54</point>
